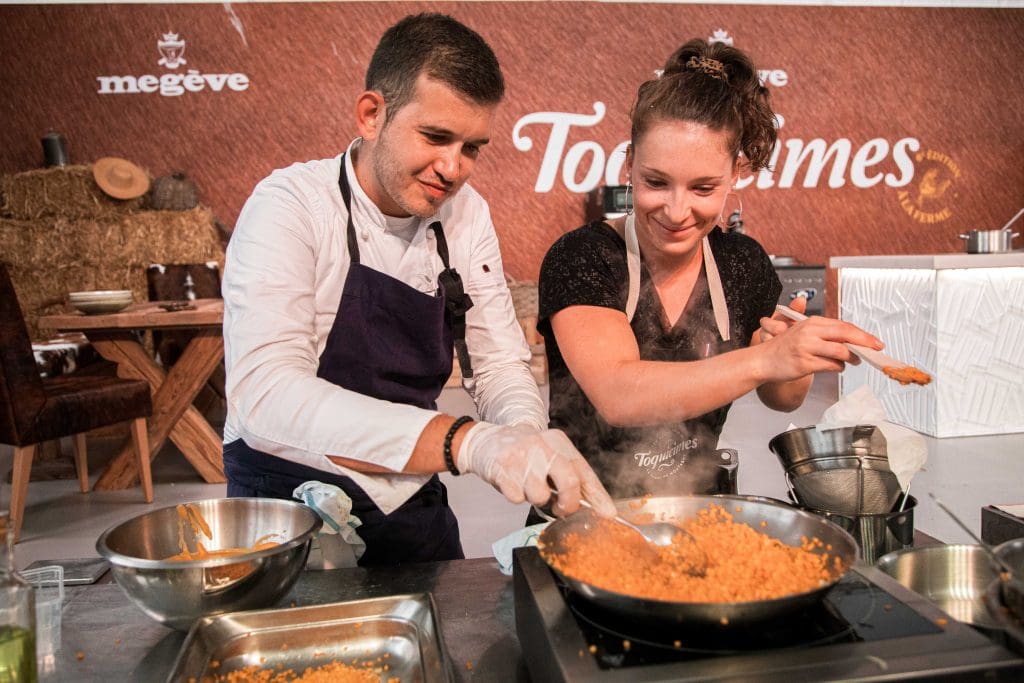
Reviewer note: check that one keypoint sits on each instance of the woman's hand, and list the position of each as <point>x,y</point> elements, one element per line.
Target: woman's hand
<point>796,349</point>
<point>778,323</point>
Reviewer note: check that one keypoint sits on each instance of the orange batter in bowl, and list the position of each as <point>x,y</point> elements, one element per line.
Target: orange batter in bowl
<point>190,517</point>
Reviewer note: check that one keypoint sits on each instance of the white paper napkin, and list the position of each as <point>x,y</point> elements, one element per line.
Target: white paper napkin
<point>906,449</point>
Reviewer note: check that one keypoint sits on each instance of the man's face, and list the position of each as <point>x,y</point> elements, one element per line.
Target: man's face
<point>427,150</point>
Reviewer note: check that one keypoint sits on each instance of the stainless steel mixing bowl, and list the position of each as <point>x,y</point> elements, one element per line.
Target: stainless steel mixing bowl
<point>954,578</point>
<point>177,593</point>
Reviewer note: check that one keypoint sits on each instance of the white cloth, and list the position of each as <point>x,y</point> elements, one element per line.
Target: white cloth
<point>285,270</point>
<point>521,538</point>
<point>335,509</point>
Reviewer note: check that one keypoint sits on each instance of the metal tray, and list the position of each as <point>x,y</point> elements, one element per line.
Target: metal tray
<point>401,630</point>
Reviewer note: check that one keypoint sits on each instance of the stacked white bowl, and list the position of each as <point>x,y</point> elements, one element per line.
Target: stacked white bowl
<point>100,301</point>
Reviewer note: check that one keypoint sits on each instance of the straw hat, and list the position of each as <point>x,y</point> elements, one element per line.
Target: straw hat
<point>120,178</point>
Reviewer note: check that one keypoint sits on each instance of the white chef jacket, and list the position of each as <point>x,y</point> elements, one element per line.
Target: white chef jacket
<point>286,266</point>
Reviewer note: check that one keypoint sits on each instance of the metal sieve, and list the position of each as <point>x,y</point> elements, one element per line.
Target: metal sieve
<point>844,470</point>
<point>841,486</point>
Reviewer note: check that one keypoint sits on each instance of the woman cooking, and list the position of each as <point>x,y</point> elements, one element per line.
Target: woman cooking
<point>657,321</point>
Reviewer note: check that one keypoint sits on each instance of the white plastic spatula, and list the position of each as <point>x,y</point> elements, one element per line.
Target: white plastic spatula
<point>904,373</point>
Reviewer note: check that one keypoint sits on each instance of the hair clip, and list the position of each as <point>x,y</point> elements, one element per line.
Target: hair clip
<point>706,65</point>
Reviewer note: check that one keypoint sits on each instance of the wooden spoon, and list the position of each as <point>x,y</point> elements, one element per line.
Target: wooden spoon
<point>903,373</point>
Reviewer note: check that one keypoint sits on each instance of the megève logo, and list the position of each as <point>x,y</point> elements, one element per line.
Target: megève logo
<point>720,36</point>
<point>171,47</point>
<point>173,50</point>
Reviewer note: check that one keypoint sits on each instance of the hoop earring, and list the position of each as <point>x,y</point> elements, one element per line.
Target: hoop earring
<point>629,198</point>
<point>735,221</point>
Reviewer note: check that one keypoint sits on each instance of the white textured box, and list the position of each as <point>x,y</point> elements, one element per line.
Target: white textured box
<point>958,317</point>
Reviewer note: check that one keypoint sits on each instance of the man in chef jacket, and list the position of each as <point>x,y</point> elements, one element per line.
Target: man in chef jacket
<point>350,281</point>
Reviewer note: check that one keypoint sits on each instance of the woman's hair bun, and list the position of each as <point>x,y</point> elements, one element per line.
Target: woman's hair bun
<point>716,60</point>
<point>716,85</point>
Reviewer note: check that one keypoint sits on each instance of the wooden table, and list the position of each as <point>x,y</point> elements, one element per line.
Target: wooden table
<point>173,390</point>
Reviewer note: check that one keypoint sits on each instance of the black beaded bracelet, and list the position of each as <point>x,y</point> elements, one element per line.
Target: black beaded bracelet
<point>449,460</point>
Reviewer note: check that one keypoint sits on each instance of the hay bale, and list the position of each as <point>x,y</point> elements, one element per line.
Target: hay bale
<point>50,257</point>
<point>67,192</point>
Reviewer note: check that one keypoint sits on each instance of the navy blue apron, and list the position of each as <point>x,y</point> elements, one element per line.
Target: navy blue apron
<point>392,342</point>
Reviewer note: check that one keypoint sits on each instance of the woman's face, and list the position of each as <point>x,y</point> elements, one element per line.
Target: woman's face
<point>681,173</point>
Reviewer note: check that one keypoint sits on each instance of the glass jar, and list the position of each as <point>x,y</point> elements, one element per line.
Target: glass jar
<point>17,615</point>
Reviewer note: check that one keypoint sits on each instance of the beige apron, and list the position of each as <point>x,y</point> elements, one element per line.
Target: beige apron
<point>714,279</point>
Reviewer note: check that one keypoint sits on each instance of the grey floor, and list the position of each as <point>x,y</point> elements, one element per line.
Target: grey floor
<point>967,473</point>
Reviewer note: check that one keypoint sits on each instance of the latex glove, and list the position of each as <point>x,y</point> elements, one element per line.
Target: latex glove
<point>518,461</point>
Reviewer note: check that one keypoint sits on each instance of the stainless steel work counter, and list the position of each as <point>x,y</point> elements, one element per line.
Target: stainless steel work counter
<point>118,643</point>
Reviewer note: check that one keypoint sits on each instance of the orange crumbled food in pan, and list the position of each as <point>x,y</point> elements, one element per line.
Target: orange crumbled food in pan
<point>637,504</point>
<point>907,374</point>
<point>334,672</point>
<point>743,564</point>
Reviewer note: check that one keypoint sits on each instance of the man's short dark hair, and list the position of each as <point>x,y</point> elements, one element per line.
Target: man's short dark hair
<point>441,47</point>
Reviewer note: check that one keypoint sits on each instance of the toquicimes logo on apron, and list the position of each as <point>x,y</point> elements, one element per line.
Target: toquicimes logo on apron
<point>662,463</point>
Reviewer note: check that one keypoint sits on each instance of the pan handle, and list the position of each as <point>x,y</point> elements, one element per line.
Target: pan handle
<point>792,492</point>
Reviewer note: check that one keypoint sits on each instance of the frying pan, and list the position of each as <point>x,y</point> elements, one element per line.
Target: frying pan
<point>784,523</point>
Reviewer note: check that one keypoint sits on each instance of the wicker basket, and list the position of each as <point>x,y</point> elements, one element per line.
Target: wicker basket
<point>174,192</point>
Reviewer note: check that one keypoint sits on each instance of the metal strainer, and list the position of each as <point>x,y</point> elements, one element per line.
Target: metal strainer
<point>844,471</point>
<point>836,485</point>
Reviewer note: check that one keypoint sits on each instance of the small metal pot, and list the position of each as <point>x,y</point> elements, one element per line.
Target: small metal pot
<point>877,534</point>
<point>954,578</point>
<point>989,241</point>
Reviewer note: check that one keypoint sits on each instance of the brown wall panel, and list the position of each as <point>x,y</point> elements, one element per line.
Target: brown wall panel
<point>949,78</point>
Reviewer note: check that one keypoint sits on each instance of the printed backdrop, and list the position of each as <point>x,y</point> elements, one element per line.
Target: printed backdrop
<point>901,127</point>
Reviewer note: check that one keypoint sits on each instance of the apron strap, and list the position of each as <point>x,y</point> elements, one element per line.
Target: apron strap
<point>350,230</point>
<point>456,300</point>
<point>718,304</point>
<point>717,293</point>
<point>633,267</point>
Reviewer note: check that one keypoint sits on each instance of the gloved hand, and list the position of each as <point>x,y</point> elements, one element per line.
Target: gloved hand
<point>518,461</point>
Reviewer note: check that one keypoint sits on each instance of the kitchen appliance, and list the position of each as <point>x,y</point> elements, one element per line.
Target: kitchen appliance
<point>867,627</point>
<point>799,279</point>
<point>606,202</point>
<point>1000,524</point>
